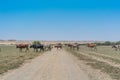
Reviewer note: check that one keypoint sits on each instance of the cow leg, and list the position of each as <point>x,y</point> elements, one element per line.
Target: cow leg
<point>96,48</point>
<point>36,50</point>
<point>115,49</point>
<point>26,49</point>
<point>20,49</point>
<point>42,49</point>
<point>78,48</point>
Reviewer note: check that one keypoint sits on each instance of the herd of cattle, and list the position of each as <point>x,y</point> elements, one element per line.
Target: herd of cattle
<point>36,47</point>
<point>41,47</point>
<point>73,46</point>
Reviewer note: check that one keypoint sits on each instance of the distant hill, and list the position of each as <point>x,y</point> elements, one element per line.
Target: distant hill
<point>11,40</point>
<point>1,40</point>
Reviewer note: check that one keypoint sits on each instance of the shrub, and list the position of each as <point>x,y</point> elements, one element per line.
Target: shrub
<point>36,42</point>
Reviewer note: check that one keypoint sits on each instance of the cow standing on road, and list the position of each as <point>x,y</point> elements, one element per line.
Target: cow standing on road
<point>37,46</point>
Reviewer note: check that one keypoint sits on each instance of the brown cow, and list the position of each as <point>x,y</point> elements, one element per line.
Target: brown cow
<point>92,46</point>
<point>22,46</point>
<point>73,46</point>
<point>58,46</point>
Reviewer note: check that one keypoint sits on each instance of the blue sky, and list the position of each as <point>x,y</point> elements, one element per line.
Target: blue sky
<point>60,19</point>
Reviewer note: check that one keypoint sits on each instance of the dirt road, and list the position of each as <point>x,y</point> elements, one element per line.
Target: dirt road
<point>54,65</point>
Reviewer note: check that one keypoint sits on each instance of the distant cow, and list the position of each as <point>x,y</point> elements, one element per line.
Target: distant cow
<point>92,46</point>
<point>48,47</point>
<point>22,46</point>
<point>74,46</point>
<point>116,47</point>
<point>70,46</point>
<point>58,46</point>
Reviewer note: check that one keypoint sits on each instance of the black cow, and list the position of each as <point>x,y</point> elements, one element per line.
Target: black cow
<point>37,46</point>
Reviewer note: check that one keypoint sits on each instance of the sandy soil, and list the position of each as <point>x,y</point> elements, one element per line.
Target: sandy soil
<point>54,65</point>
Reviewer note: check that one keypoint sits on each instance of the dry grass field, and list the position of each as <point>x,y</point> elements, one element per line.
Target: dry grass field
<point>105,59</point>
<point>11,58</point>
<point>103,50</point>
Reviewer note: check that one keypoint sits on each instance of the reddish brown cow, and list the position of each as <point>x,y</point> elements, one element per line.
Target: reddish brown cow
<point>23,46</point>
<point>58,46</point>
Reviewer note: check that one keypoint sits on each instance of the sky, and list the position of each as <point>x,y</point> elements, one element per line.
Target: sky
<point>60,20</point>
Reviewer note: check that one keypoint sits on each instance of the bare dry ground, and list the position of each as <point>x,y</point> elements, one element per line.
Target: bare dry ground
<point>55,65</point>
